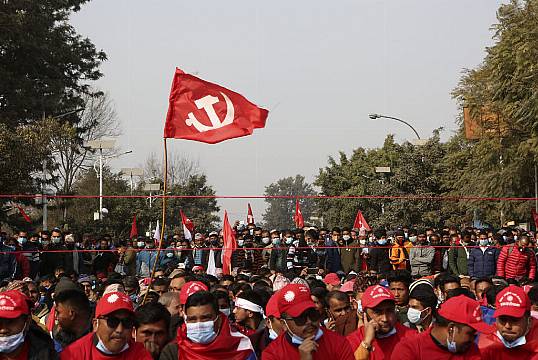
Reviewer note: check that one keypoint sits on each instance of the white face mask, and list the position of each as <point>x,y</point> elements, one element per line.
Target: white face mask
<point>297,340</point>
<point>346,237</point>
<point>225,311</point>
<point>8,344</point>
<point>415,316</point>
<point>266,240</point>
<point>140,244</point>
<point>517,342</point>
<point>201,332</point>
<point>289,240</point>
<point>102,348</point>
<point>240,242</point>
<point>362,241</point>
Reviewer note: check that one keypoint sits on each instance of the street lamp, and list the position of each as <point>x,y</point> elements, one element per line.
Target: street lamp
<point>102,145</point>
<point>378,116</point>
<point>132,172</point>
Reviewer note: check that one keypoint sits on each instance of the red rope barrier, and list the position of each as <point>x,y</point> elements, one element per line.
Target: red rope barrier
<point>249,248</point>
<point>388,197</point>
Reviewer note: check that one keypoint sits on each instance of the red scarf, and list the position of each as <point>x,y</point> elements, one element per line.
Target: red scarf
<point>227,345</point>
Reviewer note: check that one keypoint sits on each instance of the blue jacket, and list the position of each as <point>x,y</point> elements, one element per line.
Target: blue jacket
<point>332,257</point>
<point>148,258</point>
<point>482,264</point>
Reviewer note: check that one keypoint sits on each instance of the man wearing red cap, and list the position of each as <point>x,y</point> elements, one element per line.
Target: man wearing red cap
<point>332,281</point>
<point>113,333</point>
<point>381,331</point>
<point>517,332</point>
<point>20,338</point>
<point>303,338</point>
<point>452,335</point>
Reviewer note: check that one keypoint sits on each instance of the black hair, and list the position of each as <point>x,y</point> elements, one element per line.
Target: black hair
<point>227,278</point>
<point>320,293</point>
<point>426,297</point>
<point>219,294</point>
<point>313,234</point>
<point>235,288</point>
<point>315,283</point>
<point>483,279</point>
<point>75,299</point>
<point>460,291</point>
<point>131,282</point>
<point>152,313</point>
<point>201,298</point>
<point>445,278</point>
<point>160,282</point>
<point>338,295</point>
<point>251,296</point>
<point>533,294</point>
<point>335,229</point>
<point>491,293</point>
<point>400,275</point>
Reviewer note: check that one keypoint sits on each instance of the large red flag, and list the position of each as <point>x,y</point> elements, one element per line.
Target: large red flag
<point>23,213</point>
<point>360,222</point>
<point>250,217</point>
<point>535,218</point>
<point>298,217</point>
<point>188,225</point>
<point>230,245</point>
<point>207,112</point>
<point>134,229</point>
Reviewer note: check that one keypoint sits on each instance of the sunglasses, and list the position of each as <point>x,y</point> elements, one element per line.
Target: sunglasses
<point>113,322</point>
<point>300,320</point>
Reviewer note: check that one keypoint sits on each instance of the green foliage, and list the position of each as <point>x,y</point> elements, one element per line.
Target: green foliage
<point>44,63</point>
<point>279,213</point>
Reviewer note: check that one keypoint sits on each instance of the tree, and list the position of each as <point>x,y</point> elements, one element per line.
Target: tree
<point>44,64</point>
<point>414,171</point>
<point>180,168</point>
<point>279,213</point>
<point>504,84</point>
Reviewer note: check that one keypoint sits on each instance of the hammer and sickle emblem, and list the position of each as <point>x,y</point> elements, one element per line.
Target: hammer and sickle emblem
<point>207,103</point>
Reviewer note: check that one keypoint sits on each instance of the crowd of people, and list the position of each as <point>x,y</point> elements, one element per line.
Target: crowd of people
<point>295,294</point>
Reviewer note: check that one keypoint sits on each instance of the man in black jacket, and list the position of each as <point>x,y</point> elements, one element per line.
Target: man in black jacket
<point>379,255</point>
<point>52,260</point>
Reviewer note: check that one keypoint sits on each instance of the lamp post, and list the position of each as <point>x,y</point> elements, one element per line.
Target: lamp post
<point>378,116</point>
<point>102,145</point>
<point>132,172</point>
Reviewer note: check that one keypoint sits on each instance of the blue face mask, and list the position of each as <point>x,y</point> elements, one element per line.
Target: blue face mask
<point>297,340</point>
<point>451,344</point>
<point>382,241</point>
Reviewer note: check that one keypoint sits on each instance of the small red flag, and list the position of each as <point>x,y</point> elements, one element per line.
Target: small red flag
<point>360,222</point>
<point>203,111</point>
<point>23,213</point>
<point>298,217</point>
<point>250,217</point>
<point>535,218</point>
<point>134,229</point>
<point>188,225</point>
<point>230,245</point>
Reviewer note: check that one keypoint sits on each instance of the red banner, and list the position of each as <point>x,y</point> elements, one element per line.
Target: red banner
<point>207,112</point>
<point>230,245</point>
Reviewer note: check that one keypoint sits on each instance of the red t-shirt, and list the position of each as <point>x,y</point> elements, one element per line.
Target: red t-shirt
<point>22,356</point>
<point>423,347</point>
<point>381,348</point>
<point>492,348</point>
<point>331,346</point>
<point>84,349</point>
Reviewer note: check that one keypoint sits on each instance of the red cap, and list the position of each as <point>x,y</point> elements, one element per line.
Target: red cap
<point>113,301</point>
<point>271,309</point>
<point>464,310</point>
<point>374,295</point>
<point>13,304</point>
<point>348,286</point>
<point>331,279</point>
<point>190,288</point>
<point>197,267</point>
<point>512,301</point>
<point>294,299</point>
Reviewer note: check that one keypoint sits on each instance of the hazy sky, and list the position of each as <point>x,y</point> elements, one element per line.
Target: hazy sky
<point>320,67</point>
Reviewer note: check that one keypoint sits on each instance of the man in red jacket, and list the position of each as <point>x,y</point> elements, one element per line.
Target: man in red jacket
<point>517,261</point>
<point>517,331</point>
<point>112,338</point>
<point>382,331</point>
<point>303,338</point>
<point>451,337</point>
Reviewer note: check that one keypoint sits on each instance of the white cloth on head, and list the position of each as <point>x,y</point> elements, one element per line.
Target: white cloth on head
<point>248,305</point>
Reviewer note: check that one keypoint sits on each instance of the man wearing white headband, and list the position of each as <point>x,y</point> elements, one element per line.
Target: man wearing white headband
<point>248,312</point>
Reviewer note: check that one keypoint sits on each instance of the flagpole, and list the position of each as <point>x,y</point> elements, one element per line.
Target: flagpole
<point>163,219</point>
